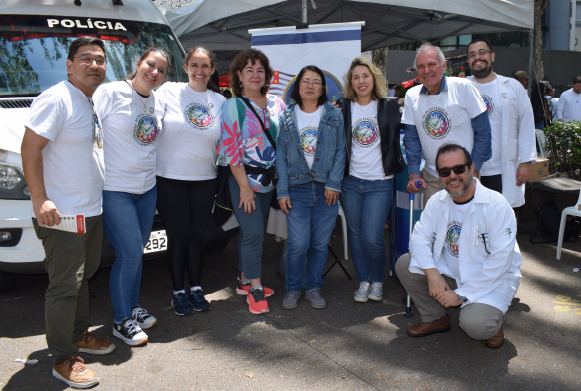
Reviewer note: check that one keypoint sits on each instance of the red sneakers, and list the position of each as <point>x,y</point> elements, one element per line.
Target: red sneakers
<point>257,301</point>
<point>242,289</point>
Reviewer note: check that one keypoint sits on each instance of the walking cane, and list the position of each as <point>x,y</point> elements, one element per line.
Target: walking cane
<point>408,308</point>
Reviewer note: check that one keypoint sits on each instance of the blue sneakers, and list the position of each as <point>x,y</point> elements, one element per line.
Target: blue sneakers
<point>181,305</point>
<point>198,301</point>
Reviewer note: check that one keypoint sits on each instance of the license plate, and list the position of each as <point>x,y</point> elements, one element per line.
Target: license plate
<point>157,242</point>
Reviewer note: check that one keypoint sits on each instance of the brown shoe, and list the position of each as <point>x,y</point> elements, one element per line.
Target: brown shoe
<point>75,373</point>
<point>423,329</point>
<point>94,345</point>
<point>496,341</point>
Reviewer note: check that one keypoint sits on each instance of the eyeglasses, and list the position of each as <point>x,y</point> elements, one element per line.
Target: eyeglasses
<point>89,61</point>
<point>480,53</point>
<point>314,83</point>
<point>458,169</point>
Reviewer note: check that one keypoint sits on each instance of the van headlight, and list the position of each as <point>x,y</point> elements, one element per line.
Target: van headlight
<point>12,183</point>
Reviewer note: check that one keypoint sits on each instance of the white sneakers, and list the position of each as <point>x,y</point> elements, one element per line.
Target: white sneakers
<point>368,290</point>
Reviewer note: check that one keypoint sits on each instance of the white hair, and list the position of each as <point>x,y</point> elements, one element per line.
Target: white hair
<point>428,46</point>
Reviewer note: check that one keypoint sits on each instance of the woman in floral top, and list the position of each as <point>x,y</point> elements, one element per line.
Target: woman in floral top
<point>251,156</point>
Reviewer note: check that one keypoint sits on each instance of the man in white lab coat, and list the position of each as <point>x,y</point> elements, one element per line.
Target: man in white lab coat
<point>569,107</point>
<point>463,252</point>
<point>512,126</point>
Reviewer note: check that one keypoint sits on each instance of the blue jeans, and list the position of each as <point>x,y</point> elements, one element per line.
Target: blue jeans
<point>310,225</point>
<point>366,205</point>
<point>127,222</point>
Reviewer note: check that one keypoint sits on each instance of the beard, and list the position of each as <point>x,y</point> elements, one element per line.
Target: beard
<point>464,189</point>
<point>482,73</point>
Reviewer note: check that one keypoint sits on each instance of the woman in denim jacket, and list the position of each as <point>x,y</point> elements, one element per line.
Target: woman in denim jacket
<point>310,163</point>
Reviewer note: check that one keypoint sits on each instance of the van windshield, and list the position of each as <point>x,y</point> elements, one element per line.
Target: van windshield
<point>34,49</point>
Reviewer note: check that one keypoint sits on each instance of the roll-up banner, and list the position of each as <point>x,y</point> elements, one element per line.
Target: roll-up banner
<point>331,47</point>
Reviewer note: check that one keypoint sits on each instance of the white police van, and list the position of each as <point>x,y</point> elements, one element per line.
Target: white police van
<point>34,40</point>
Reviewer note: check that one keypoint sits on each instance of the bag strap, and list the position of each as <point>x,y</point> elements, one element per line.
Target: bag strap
<point>266,132</point>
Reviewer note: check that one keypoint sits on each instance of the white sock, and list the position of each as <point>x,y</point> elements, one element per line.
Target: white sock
<point>256,287</point>
<point>244,282</point>
<point>176,292</point>
<point>195,288</point>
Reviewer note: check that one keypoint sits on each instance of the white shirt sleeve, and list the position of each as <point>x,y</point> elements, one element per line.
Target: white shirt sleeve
<point>47,115</point>
<point>473,100</point>
<point>102,101</point>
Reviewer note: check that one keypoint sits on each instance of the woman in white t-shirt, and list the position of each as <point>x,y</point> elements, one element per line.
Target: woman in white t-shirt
<point>187,173</point>
<point>372,124</point>
<point>131,116</point>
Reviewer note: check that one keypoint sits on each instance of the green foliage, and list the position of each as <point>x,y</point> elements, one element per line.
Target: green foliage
<point>563,144</point>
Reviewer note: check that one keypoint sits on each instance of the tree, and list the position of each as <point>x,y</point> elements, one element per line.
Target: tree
<point>540,7</point>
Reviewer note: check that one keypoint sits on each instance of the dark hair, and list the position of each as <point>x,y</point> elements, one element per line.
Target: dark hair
<point>227,94</point>
<point>145,53</point>
<point>82,41</point>
<point>479,40</point>
<point>447,148</point>
<point>577,80</point>
<point>212,56</point>
<point>239,64</point>
<point>295,94</point>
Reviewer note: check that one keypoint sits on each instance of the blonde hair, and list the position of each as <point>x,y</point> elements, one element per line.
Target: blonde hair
<point>379,83</point>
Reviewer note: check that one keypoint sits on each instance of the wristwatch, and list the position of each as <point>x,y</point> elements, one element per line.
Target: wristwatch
<point>463,298</point>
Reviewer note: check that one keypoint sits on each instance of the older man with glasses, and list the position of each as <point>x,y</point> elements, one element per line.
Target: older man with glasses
<point>441,110</point>
<point>512,124</point>
<point>463,253</point>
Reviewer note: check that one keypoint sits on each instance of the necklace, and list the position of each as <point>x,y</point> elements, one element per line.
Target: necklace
<point>139,96</point>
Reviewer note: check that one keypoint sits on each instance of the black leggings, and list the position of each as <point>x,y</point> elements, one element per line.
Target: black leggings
<point>185,207</point>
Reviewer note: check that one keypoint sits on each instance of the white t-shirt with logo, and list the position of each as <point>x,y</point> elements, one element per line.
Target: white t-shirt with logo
<point>73,165</point>
<point>366,160</point>
<point>491,97</point>
<point>308,128</point>
<point>451,244</point>
<point>131,127</point>
<point>191,130</point>
<point>443,118</point>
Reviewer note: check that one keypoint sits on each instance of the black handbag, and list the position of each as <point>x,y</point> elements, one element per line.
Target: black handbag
<point>223,204</point>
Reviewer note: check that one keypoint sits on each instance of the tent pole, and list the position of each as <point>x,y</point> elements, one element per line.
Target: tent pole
<point>530,62</point>
<point>304,11</point>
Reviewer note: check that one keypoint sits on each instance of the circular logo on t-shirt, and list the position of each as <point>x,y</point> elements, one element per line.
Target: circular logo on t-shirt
<point>308,136</point>
<point>452,237</point>
<point>365,133</point>
<point>489,104</point>
<point>437,123</point>
<point>199,116</point>
<point>146,129</point>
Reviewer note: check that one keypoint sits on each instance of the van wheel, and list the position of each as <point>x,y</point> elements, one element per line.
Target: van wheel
<point>216,246</point>
<point>6,281</point>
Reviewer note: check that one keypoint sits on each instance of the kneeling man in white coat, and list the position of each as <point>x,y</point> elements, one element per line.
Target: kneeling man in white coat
<point>463,252</point>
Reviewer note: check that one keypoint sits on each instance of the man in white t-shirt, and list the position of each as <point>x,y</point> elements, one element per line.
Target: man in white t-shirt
<point>569,106</point>
<point>512,123</point>
<point>463,252</point>
<point>62,156</point>
<point>441,110</point>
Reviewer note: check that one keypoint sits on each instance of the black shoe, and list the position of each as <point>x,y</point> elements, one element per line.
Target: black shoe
<point>129,332</point>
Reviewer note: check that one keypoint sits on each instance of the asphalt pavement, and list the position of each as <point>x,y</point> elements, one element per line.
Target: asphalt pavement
<point>346,346</point>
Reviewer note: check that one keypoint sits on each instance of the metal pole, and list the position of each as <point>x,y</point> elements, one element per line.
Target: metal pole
<point>304,11</point>
<point>530,62</point>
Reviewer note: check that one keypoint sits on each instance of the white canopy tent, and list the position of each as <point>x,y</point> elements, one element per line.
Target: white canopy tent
<point>224,24</point>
